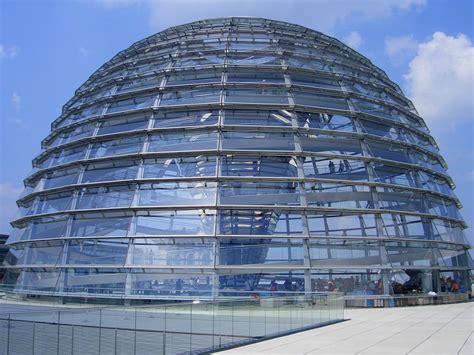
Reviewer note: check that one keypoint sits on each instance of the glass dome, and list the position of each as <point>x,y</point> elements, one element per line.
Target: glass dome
<point>237,155</point>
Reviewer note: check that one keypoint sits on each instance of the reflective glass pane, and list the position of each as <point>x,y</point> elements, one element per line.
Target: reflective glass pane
<point>59,178</point>
<point>179,167</point>
<point>105,197</point>
<point>97,252</point>
<point>193,222</point>
<point>329,168</point>
<point>234,76</point>
<point>262,95</point>
<point>338,195</point>
<point>174,194</point>
<point>258,166</point>
<point>186,97</point>
<point>55,202</point>
<point>335,253</point>
<point>132,103</point>
<point>186,118</point>
<point>183,141</point>
<point>340,224</point>
<point>194,77</point>
<point>112,170</point>
<point>325,143</point>
<point>259,193</point>
<point>394,175</point>
<point>264,222</point>
<point>84,226</point>
<point>325,121</point>
<point>119,146</point>
<point>257,118</point>
<point>170,252</point>
<point>238,251</point>
<point>319,100</point>
<point>258,141</point>
<point>123,124</point>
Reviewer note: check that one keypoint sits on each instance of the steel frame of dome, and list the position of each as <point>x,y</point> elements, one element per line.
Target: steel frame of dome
<point>218,156</point>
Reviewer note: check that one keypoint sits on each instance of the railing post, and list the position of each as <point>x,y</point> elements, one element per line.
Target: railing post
<point>33,341</point>
<point>8,334</point>
<point>59,331</point>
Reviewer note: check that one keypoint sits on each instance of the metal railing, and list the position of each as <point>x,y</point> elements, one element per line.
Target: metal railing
<point>199,326</point>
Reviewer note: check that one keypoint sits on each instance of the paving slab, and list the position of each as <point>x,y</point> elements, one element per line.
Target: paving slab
<point>442,329</point>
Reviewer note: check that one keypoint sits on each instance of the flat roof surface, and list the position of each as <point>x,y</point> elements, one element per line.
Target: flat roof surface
<point>444,329</point>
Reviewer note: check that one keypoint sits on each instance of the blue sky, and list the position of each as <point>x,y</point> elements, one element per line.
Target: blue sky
<point>48,48</point>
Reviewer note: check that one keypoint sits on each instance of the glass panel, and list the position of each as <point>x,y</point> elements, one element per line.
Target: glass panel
<point>171,285</point>
<point>395,199</point>
<point>186,118</point>
<point>259,193</point>
<point>126,145</point>
<point>337,195</point>
<point>427,161</point>
<point>87,280</point>
<point>258,141</point>
<point>105,197</point>
<point>112,170</point>
<point>341,224</point>
<point>257,118</point>
<point>337,253</point>
<point>123,124</point>
<point>404,226</point>
<point>55,202</point>
<point>134,103</point>
<point>85,226</point>
<point>435,183</point>
<point>182,193</point>
<point>314,80</point>
<point>263,95</point>
<point>43,228</point>
<point>140,83</point>
<point>258,166</point>
<point>441,207</point>
<point>171,252</point>
<point>37,280</point>
<point>194,77</point>
<point>193,222</point>
<point>388,151</point>
<point>319,100</point>
<point>261,251</point>
<point>179,167</point>
<point>234,76</point>
<point>381,130</point>
<point>84,113</point>
<point>186,97</point>
<point>330,168</point>
<point>64,156</point>
<point>309,63</point>
<point>78,133</point>
<point>325,121</point>
<point>183,141</point>
<point>394,175</point>
<point>253,59</point>
<point>260,222</point>
<point>61,178</point>
<point>329,144</point>
<point>376,109</point>
<point>97,252</point>
<point>203,60</point>
<point>43,254</point>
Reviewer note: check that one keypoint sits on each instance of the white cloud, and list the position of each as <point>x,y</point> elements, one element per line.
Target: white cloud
<point>353,40</point>
<point>8,208</point>
<point>440,81</point>
<point>399,49</point>
<point>8,52</point>
<point>16,102</point>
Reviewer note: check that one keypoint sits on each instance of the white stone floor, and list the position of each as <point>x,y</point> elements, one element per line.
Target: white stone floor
<point>444,329</point>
